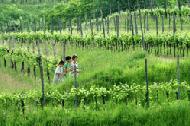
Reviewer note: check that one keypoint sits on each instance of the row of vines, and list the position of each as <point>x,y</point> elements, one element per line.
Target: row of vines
<point>96,96</point>
<point>166,43</point>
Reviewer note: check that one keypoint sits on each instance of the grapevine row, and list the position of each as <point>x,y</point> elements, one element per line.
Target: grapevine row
<point>149,41</point>
<point>100,95</point>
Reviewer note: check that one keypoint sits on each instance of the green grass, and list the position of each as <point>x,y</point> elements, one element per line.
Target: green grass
<point>105,68</point>
<point>13,81</point>
<point>167,114</point>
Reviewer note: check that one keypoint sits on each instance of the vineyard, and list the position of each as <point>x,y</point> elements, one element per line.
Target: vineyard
<point>133,62</point>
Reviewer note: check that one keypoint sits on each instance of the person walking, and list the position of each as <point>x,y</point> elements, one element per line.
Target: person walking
<point>67,66</point>
<point>58,76</point>
<point>74,65</point>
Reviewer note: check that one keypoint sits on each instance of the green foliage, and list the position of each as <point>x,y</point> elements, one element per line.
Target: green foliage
<point>18,17</point>
<point>173,113</point>
<point>95,96</point>
<point>180,39</point>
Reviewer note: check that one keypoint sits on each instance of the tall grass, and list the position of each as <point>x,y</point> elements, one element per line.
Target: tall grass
<point>167,114</point>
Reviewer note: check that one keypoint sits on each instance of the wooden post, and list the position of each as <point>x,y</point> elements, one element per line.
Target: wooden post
<point>5,63</point>
<point>117,25</point>
<point>47,69</point>
<point>60,24</point>
<point>147,22</point>
<point>75,84</point>
<point>21,25</point>
<point>174,49</point>
<point>157,93</point>
<point>103,27</point>
<point>165,7</point>
<point>133,43</point>
<point>52,25</point>
<point>181,21</point>
<point>169,21</point>
<point>77,24</point>
<point>178,77</point>
<point>97,27</point>
<point>147,86</point>
<point>142,33</point>
<point>34,71</point>
<point>108,25</point>
<point>136,26</point>
<point>44,24</point>
<point>41,74</point>
<point>144,21</point>
<point>22,105</point>
<point>28,70</point>
<point>118,7</point>
<point>80,27</point>
<point>128,23</point>
<point>131,23</point>
<point>125,25</point>
<point>22,67</point>
<point>174,24</point>
<point>91,27</point>
<point>85,23</point>
<point>156,18</point>
<point>64,50</point>
<point>162,23</point>
<point>54,48</point>
<point>70,27</point>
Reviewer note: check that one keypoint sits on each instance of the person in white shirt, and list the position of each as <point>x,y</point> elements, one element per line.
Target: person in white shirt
<point>74,65</point>
<point>58,77</point>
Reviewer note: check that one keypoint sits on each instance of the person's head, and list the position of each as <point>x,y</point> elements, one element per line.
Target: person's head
<point>61,63</point>
<point>68,59</point>
<point>74,57</point>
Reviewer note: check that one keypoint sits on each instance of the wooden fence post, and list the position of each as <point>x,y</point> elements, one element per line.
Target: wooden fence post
<point>133,43</point>
<point>103,26</point>
<point>108,25</point>
<point>163,24</point>
<point>41,74</point>
<point>147,85</point>
<point>70,27</point>
<point>174,24</point>
<point>169,21</point>
<point>80,27</point>
<point>147,22</point>
<point>75,84</point>
<point>181,21</point>
<point>178,77</point>
<point>136,26</point>
<point>64,50</point>
<point>47,69</point>
<point>91,26</point>
<point>117,25</point>
<point>156,18</point>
